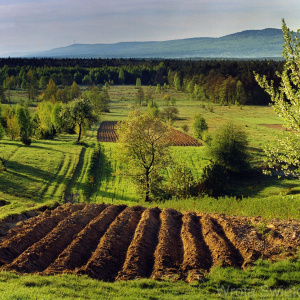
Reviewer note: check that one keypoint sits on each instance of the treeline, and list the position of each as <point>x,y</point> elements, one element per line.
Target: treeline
<point>219,81</point>
<point>48,120</point>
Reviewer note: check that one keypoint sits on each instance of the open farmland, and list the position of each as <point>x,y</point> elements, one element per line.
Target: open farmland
<point>116,242</point>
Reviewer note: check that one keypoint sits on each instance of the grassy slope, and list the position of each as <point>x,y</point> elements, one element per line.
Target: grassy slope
<point>36,175</point>
<point>42,173</point>
<point>280,280</point>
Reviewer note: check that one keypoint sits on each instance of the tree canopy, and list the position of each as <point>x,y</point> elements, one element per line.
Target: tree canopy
<point>228,148</point>
<point>285,153</point>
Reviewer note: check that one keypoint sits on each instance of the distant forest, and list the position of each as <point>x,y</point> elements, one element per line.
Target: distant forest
<point>219,81</point>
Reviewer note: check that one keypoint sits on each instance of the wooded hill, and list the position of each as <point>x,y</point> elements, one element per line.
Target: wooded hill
<point>266,43</point>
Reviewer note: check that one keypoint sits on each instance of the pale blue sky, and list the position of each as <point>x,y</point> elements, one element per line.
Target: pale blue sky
<point>33,25</point>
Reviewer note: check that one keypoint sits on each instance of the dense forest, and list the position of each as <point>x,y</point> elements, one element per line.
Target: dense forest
<point>219,81</point>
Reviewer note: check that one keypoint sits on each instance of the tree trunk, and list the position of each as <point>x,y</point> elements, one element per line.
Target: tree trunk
<point>147,197</point>
<point>79,134</point>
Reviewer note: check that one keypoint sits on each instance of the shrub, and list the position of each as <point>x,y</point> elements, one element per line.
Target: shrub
<point>199,126</point>
<point>26,141</point>
<point>92,168</point>
<point>185,127</point>
<point>228,148</point>
<point>170,113</point>
<point>214,180</point>
<point>2,165</point>
<point>182,183</point>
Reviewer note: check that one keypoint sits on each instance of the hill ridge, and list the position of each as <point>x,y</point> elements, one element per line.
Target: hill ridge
<point>245,44</point>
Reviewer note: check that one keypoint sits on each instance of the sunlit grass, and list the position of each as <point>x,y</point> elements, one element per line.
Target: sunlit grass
<point>38,174</point>
<point>280,280</point>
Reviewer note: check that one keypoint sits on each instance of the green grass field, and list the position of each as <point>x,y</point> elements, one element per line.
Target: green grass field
<point>50,170</point>
<point>265,280</point>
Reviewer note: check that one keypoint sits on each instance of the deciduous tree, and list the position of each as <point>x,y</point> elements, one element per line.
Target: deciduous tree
<point>99,99</point>
<point>143,149</point>
<point>138,83</point>
<point>12,129</point>
<point>199,126</point>
<point>24,122</point>
<point>228,148</point>
<point>50,92</point>
<point>81,113</point>
<point>286,102</point>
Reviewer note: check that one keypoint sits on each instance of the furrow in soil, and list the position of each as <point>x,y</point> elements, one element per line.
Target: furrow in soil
<point>140,255</point>
<point>109,256</point>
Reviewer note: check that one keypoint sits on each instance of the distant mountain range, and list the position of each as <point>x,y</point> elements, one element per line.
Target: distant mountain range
<point>266,43</point>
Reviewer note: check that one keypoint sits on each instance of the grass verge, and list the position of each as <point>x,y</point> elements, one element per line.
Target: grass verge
<point>265,280</point>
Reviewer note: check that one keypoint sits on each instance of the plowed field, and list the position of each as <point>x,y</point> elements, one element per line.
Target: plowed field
<point>107,133</point>
<point>116,242</point>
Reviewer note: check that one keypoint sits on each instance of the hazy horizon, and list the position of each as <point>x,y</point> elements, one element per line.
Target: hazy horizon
<point>37,25</point>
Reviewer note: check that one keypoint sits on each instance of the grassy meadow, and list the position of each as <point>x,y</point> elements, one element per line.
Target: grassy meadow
<point>51,171</point>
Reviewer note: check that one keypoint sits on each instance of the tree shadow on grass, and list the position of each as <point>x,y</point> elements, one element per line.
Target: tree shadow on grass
<point>13,188</point>
<point>27,171</point>
<point>34,145</point>
<point>28,176</point>
<point>12,143</point>
<point>252,186</point>
<point>116,196</point>
<point>105,169</point>
<point>106,174</point>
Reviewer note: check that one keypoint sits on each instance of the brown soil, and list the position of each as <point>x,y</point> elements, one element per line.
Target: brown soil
<point>178,138</point>
<point>110,242</point>
<point>41,254</point>
<point>196,252</point>
<point>222,250</point>
<point>31,231</point>
<point>77,253</point>
<point>140,255</point>
<point>107,133</point>
<point>169,251</point>
<point>275,126</point>
<point>110,254</point>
